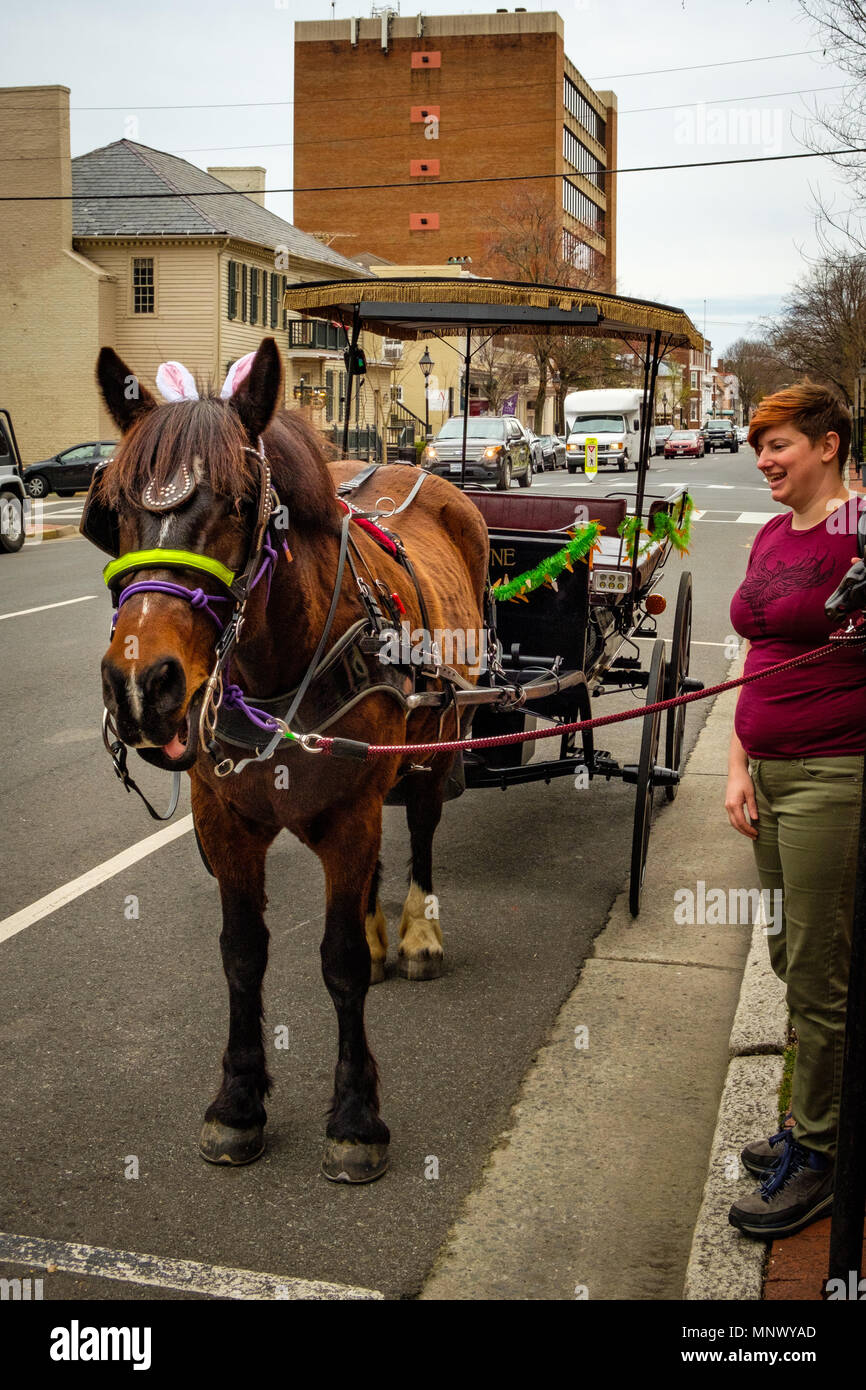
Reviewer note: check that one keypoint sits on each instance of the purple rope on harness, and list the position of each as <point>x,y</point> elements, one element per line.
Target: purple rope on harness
<point>197,597</point>
<point>233,698</point>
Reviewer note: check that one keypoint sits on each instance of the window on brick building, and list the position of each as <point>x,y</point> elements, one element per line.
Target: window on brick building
<point>143,285</point>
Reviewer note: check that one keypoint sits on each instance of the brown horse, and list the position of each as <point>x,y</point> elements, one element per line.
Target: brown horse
<point>155,673</point>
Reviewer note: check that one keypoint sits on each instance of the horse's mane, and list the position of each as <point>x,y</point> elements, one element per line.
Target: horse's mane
<point>210,430</point>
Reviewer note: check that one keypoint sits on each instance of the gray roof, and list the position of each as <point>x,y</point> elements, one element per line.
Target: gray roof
<point>125,167</point>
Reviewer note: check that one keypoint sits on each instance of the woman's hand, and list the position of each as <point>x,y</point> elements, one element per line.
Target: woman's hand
<point>740,793</point>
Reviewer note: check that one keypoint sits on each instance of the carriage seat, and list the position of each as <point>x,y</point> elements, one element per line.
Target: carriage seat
<point>511,511</point>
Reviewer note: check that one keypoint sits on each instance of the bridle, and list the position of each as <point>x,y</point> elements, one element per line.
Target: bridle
<point>100,525</point>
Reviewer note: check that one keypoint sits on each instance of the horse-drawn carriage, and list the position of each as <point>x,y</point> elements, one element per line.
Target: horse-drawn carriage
<point>304,587</point>
<point>559,640</point>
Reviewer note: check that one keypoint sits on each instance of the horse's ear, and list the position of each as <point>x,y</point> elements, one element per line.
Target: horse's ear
<point>124,395</point>
<point>261,391</point>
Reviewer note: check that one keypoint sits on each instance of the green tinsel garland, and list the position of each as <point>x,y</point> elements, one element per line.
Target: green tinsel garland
<point>665,528</point>
<point>547,571</point>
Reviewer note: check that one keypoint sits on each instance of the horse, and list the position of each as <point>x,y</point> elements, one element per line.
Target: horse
<point>204,480</point>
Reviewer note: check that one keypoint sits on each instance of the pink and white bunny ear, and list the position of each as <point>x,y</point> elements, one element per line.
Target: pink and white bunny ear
<point>237,373</point>
<point>174,382</point>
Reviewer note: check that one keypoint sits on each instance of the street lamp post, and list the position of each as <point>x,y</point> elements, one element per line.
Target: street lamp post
<point>665,407</point>
<point>426,364</point>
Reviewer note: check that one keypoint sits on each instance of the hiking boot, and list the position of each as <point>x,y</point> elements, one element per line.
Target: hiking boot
<point>797,1191</point>
<point>762,1156</point>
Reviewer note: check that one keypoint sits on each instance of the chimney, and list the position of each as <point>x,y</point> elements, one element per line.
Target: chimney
<point>248,179</point>
<point>34,143</point>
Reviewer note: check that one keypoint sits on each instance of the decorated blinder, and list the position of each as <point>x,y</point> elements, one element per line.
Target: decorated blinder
<point>101,526</point>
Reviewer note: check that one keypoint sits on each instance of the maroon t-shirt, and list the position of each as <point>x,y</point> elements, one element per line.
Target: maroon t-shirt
<point>817,710</point>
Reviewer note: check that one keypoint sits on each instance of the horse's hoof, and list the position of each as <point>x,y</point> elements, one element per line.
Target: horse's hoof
<point>377,971</point>
<point>219,1143</point>
<point>427,965</point>
<point>343,1160</point>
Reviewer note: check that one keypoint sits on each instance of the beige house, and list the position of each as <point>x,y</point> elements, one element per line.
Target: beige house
<point>198,278</point>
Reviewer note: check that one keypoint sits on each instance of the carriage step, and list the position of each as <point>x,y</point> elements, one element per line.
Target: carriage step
<point>629,662</point>
<point>661,776</point>
<point>630,676</point>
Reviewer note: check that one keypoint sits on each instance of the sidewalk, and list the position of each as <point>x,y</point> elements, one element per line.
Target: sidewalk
<point>594,1188</point>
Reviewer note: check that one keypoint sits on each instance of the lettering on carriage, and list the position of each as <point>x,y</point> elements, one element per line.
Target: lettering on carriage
<point>431,1168</point>
<point>502,557</point>
<point>130,1167</point>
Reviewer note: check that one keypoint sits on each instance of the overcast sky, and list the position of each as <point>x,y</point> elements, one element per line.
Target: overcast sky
<point>222,72</point>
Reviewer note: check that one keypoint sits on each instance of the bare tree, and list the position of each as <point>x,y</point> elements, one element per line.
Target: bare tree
<point>758,368</point>
<point>821,331</point>
<point>841,28</point>
<point>525,242</point>
<point>496,371</point>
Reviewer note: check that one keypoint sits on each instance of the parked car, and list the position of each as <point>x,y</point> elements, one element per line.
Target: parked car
<point>69,471</point>
<point>497,450</point>
<point>12,499</point>
<point>536,448</point>
<point>663,434</point>
<point>720,434</point>
<point>553,449</point>
<point>688,442</point>
<point>742,434</point>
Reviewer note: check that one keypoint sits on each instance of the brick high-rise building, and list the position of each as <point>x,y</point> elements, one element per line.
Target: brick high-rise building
<point>425,100</point>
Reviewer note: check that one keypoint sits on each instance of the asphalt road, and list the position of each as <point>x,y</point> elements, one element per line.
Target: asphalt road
<point>114,1023</point>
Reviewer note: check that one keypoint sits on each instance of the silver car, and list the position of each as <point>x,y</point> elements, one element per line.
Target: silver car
<point>497,450</point>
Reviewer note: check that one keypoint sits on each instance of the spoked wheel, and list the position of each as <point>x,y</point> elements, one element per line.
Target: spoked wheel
<point>643,807</point>
<point>681,646</point>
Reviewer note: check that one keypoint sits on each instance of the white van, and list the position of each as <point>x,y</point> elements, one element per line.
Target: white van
<point>613,417</point>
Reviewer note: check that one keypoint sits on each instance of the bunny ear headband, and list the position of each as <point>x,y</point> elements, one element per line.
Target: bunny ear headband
<point>174,381</point>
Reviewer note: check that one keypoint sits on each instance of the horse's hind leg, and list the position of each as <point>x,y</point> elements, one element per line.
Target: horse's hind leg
<point>233,1131</point>
<point>420,956</point>
<point>376,929</point>
<point>356,1142</point>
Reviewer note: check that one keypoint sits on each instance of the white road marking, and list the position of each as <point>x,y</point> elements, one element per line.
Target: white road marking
<point>22,612</point>
<point>755,518</point>
<point>158,1271</point>
<point>43,907</point>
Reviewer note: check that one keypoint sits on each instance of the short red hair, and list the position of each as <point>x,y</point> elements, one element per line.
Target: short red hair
<point>813,410</point>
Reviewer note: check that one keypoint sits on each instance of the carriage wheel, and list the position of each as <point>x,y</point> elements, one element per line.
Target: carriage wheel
<point>681,646</point>
<point>649,747</point>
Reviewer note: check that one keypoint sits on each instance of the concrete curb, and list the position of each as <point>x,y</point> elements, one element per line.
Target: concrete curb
<point>58,533</point>
<point>721,1264</point>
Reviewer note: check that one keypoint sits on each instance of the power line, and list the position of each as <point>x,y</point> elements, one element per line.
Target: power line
<point>134,106</point>
<point>699,67</point>
<point>721,101</point>
<point>413,183</point>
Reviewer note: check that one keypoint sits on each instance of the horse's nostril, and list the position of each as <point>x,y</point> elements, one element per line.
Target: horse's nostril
<point>163,686</point>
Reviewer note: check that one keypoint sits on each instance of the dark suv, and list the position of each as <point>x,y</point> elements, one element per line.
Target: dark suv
<point>497,450</point>
<point>720,434</point>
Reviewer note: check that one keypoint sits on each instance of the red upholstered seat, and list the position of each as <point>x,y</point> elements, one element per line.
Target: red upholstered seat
<point>515,511</point>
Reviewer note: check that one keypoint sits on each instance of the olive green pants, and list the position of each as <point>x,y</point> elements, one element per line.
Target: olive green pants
<point>808,822</point>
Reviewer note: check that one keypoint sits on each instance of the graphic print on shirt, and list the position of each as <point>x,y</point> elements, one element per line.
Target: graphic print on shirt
<point>767,582</point>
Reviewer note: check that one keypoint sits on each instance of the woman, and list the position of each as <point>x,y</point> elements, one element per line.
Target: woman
<point>794,781</point>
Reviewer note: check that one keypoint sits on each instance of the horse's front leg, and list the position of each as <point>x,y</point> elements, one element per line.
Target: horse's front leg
<point>356,1138</point>
<point>234,1124</point>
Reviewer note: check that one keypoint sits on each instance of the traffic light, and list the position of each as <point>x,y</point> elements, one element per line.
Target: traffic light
<point>356,361</point>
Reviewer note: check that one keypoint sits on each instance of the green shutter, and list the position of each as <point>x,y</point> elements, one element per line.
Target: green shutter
<point>233,290</point>
<point>244,293</point>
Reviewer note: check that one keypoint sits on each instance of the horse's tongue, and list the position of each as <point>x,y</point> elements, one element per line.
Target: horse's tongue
<point>175,748</point>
